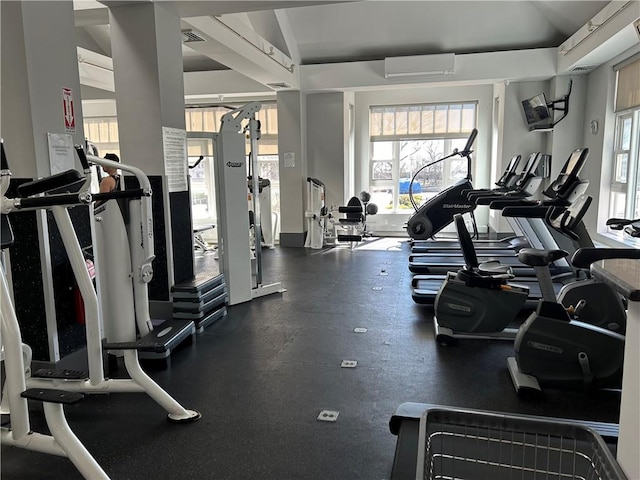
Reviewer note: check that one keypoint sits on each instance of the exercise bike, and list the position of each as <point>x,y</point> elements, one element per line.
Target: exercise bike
<point>478,301</point>
<point>438,211</point>
<point>554,348</point>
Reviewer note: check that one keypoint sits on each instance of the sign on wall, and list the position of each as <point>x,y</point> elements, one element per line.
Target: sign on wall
<point>68,110</point>
<point>175,158</point>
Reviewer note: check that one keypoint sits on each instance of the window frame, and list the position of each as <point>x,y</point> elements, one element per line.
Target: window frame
<point>630,186</point>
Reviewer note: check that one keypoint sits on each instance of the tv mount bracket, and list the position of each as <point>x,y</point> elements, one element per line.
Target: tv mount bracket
<point>561,105</point>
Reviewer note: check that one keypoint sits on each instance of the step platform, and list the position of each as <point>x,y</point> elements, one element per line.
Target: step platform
<point>159,343</point>
<point>202,300</point>
<point>60,374</point>
<point>49,395</point>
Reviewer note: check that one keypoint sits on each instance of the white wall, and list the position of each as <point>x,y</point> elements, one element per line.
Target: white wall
<point>292,139</point>
<point>483,94</point>
<point>516,137</point>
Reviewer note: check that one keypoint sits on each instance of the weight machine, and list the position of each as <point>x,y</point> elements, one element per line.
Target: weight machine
<point>242,273</point>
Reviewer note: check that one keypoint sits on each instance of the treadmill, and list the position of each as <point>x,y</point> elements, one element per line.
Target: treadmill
<point>513,186</point>
<point>426,287</point>
<point>565,189</point>
<point>525,186</point>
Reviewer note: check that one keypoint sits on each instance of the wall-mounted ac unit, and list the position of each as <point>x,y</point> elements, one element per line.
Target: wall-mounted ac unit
<point>416,65</point>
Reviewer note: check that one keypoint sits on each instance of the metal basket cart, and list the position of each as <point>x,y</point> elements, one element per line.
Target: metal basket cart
<point>460,444</point>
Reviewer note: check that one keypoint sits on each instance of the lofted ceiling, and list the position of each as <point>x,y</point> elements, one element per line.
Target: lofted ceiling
<point>312,33</point>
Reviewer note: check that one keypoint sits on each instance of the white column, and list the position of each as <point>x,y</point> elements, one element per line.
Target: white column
<point>39,62</point>
<point>293,166</point>
<point>147,58</point>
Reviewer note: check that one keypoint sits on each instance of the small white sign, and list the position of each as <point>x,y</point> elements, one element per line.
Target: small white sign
<point>61,152</point>
<point>349,364</point>
<point>289,159</point>
<point>174,143</point>
<point>360,330</point>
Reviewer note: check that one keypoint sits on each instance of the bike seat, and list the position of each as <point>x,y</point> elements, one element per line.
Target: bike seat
<point>539,258</point>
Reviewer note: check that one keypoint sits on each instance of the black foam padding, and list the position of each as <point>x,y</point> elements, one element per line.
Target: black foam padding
<point>349,238</point>
<point>350,209</point>
<point>584,257</point>
<point>60,180</point>
<point>49,395</point>
<point>142,345</point>
<point>539,258</point>
<point>466,243</point>
<point>60,374</point>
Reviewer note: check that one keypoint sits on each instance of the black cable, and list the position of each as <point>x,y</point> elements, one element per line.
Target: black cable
<point>197,162</point>
<point>413,202</point>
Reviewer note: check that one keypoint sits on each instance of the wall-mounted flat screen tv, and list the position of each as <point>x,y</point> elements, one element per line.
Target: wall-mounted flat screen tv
<point>536,110</point>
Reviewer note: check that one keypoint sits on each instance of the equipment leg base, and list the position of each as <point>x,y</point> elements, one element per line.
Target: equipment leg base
<point>192,416</point>
<point>521,381</point>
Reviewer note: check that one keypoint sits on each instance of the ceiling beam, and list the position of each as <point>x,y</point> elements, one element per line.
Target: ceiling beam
<point>475,68</point>
<point>287,34</point>
<point>234,44</point>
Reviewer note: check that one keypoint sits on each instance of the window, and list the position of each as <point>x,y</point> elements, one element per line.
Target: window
<point>103,132</point>
<point>624,196</point>
<point>404,138</point>
<point>624,200</point>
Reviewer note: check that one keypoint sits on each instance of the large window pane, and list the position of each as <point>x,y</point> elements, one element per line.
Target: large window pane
<point>382,151</point>
<point>455,118</point>
<point>375,122</point>
<point>414,120</point>
<point>428,120</point>
<point>383,198</point>
<point>617,205</point>
<point>468,117</point>
<point>389,122</point>
<point>621,167</point>
<point>401,122</point>
<point>625,134</point>
<point>441,119</point>
<point>382,170</point>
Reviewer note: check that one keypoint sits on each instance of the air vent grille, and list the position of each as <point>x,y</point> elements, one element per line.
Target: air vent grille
<point>189,36</point>
<point>279,85</point>
<point>582,69</point>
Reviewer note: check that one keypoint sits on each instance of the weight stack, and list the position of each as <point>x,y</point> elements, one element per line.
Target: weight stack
<point>202,299</point>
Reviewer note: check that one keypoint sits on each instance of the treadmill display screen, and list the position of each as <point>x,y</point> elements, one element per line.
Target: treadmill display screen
<point>573,161</point>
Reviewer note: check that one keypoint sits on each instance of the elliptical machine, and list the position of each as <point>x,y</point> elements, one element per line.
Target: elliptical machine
<point>438,211</point>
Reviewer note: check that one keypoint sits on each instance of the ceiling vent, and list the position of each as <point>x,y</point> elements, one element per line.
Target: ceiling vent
<point>582,69</point>
<point>189,36</point>
<point>636,25</point>
<point>278,85</point>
